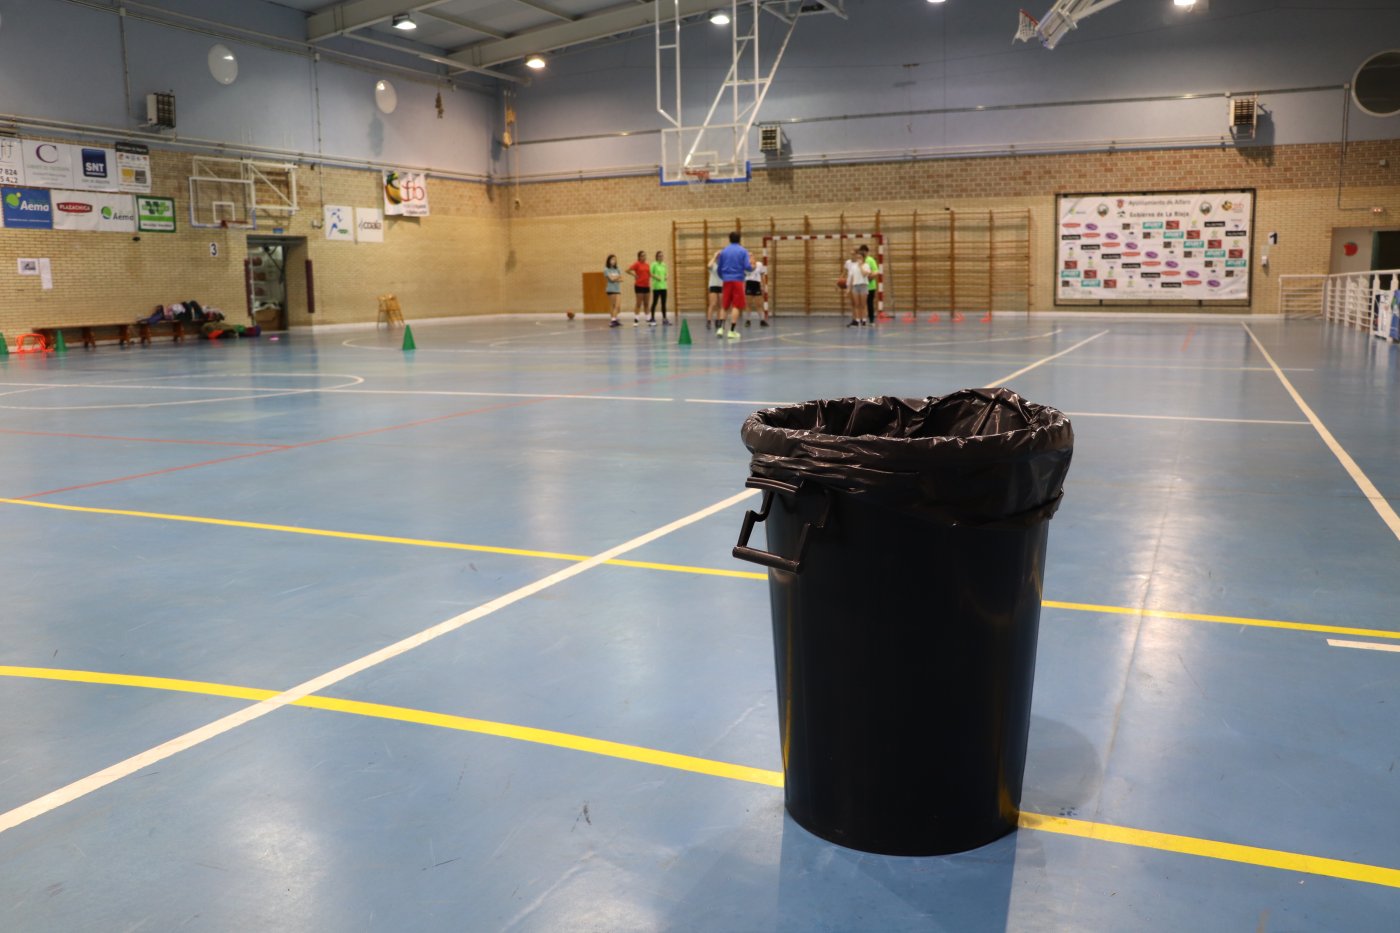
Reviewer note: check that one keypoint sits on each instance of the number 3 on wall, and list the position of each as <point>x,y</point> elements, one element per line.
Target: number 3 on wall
<point>214,250</point>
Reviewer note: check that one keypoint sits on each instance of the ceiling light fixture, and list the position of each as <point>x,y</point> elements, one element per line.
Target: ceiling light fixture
<point>719,18</point>
<point>535,61</point>
<point>1184,3</point>
<point>404,21</point>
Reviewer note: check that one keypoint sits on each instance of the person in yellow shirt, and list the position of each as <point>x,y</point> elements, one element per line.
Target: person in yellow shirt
<point>872,276</point>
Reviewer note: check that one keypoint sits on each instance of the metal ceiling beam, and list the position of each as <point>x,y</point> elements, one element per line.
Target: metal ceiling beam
<point>544,9</point>
<point>457,67</point>
<point>610,22</point>
<point>357,14</point>
<point>465,24</point>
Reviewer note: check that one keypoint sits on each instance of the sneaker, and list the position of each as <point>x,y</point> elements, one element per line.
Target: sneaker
<point>719,331</point>
<point>615,324</point>
<point>636,322</point>
<point>651,323</point>
<point>665,322</point>
<point>762,323</point>
<point>862,323</point>
<point>853,324</point>
<point>748,323</point>
<point>733,335</point>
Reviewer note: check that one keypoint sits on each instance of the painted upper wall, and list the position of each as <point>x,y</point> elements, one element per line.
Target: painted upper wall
<point>63,62</point>
<point>911,57</point>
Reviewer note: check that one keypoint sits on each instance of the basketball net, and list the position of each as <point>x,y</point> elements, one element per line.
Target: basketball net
<point>1026,30</point>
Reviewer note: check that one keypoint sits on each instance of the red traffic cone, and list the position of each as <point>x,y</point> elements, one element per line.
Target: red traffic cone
<point>934,318</point>
<point>987,318</point>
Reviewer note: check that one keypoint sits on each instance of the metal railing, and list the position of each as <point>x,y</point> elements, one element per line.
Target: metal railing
<point>1301,296</point>
<point>1345,298</point>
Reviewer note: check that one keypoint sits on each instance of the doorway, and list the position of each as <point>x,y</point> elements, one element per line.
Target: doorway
<point>276,282</point>
<point>1385,250</point>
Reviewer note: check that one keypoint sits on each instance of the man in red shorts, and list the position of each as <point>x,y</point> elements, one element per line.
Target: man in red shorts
<point>733,266</point>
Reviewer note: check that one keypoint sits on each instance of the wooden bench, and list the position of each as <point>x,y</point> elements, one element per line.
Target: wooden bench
<point>89,334</point>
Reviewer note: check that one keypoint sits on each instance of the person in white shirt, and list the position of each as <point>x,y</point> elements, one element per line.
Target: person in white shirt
<point>755,285</point>
<point>856,286</point>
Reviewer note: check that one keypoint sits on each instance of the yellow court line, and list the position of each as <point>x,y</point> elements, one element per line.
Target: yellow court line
<point>1223,620</point>
<point>506,730</point>
<point>1209,848</point>
<point>1099,832</point>
<point>680,568</point>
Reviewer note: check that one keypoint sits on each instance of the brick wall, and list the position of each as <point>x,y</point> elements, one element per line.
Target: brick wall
<point>562,228</point>
<point>487,249</point>
<point>440,265</point>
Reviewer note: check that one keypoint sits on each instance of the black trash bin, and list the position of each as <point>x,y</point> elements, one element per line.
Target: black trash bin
<point>906,547</point>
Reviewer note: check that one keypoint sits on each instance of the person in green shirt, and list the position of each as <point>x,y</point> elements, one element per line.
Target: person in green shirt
<point>658,288</point>
<point>872,274</point>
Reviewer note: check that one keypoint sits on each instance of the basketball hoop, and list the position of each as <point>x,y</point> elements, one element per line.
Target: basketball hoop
<point>1028,27</point>
<point>696,178</point>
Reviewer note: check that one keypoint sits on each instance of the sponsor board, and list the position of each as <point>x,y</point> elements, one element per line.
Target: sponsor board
<point>11,161</point>
<point>405,194</point>
<point>155,215</point>
<point>26,208</point>
<point>369,225</point>
<point>48,165</point>
<point>133,168</point>
<point>1178,234</point>
<point>338,223</point>
<point>93,211</point>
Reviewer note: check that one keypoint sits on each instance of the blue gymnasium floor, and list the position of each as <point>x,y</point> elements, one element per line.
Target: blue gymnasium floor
<point>593,746</point>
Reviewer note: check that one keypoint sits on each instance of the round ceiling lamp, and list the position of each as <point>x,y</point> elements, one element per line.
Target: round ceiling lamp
<point>223,64</point>
<point>385,97</point>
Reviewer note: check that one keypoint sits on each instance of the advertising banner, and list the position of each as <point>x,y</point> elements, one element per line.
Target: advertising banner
<point>26,209</point>
<point>48,165</point>
<point>11,161</point>
<point>95,169</point>
<point>133,168</point>
<point>369,225</point>
<point>406,194</point>
<point>155,215</point>
<point>94,211</point>
<point>339,223</point>
<point>1186,246</point>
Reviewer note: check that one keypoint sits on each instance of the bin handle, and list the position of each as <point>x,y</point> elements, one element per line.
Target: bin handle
<point>770,486</point>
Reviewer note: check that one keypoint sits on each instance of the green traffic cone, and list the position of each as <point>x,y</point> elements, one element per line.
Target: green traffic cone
<point>408,343</point>
<point>685,334</point>
<point>4,347</point>
<point>58,345</point>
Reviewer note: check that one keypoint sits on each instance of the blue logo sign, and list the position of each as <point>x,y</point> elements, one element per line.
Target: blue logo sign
<point>94,163</point>
<point>27,208</point>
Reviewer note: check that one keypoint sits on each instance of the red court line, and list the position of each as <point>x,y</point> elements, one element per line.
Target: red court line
<point>394,427</point>
<point>283,449</point>
<point>142,440</point>
<point>1191,332</point>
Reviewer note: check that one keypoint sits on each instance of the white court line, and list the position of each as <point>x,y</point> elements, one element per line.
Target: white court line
<point>735,401</point>
<point>1025,369</point>
<point>1106,414</point>
<point>796,340</point>
<point>96,781</point>
<point>1363,645</point>
<point>601,398</point>
<point>1363,482</point>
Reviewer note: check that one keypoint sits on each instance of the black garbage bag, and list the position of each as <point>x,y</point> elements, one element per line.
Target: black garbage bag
<point>977,457</point>
<point>906,553</point>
